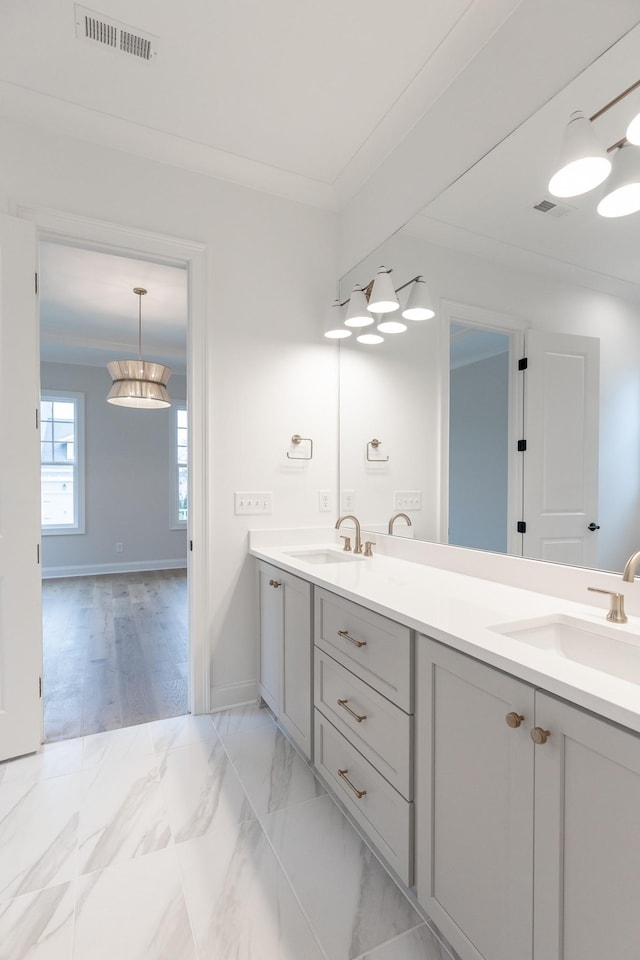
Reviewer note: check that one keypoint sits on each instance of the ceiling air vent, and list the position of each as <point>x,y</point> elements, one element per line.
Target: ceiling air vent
<point>112,33</point>
<point>552,209</point>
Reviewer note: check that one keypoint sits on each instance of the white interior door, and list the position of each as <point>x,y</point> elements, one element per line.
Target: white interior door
<point>20,588</point>
<point>561,461</point>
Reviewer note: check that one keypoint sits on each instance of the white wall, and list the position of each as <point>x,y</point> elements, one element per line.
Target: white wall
<point>544,303</point>
<point>128,460</point>
<point>270,272</point>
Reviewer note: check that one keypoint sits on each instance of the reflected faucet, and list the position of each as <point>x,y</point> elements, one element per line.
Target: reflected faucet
<point>631,566</point>
<point>395,517</point>
<point>350,516</point>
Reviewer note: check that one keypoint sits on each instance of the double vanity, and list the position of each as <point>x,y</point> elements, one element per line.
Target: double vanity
<point>484,738</point>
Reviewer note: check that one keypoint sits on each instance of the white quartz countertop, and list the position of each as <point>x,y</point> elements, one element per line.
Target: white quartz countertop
<point>459,610</point>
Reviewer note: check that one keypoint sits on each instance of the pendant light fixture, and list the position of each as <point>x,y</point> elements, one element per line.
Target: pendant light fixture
<point>622,195</point>
<point>584,163</point>
<point>139,383</point>
<point>419,305</point>
<point>358,311</point>
<point>383,297</point>
<point>334,328</point>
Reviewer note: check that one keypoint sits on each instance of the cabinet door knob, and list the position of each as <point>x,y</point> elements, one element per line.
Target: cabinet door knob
<point>356,643</point>
<point>514,719</point>
<point>538,735</point>
<point>274,583</point>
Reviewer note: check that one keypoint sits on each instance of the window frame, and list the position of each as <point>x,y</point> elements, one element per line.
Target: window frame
<point>78,525</point>
<point>175,522</point>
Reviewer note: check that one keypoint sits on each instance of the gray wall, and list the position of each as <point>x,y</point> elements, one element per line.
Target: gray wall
<point>127,481</point>
<point>478,454</point>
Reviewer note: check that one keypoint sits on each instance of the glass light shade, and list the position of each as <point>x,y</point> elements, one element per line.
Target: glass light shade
<point>370,338</point>
<point>334,327</point>
<point>633,131</point>
<point>383,297</point>
<point>391,326</point>
<point>584,163</point>
<point>419,306</point>
<point>357,312</point>
<point>139,383</point>
<point>623,190</point>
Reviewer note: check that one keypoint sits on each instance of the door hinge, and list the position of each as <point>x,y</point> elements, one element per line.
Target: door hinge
<point>522,527</point>
<point>38,553</point>
<point>523,363</point>
<point>40,687</point>
<point>190,544</point>
<point>36,282</point>
<point>522,446</point>
<point>37,418</point>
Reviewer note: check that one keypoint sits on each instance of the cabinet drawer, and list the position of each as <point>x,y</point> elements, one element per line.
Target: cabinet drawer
<point>375,648</point>
<point>385,816</point>
<point>383,734</point>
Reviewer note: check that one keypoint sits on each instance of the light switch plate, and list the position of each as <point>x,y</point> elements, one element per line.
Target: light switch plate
<point>250,503</point>
<point>407,500</point>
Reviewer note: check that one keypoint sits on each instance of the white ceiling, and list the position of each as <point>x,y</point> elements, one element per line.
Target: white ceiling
<point>89,313</point>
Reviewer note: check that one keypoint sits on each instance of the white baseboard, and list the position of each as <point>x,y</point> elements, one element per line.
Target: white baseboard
<point>95,569</point>
<point>234,695</point>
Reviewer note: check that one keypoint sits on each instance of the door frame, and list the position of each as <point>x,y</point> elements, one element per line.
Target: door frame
<point>514,328</point>
<point>134,242</point>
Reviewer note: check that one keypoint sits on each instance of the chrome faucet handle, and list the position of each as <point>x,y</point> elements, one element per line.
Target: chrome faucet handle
<point>347,542</point>
<point>368,552</point>
<point>616,605</point>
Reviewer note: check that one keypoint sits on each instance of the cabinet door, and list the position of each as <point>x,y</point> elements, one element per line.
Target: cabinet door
<point>296,700</point>
<point>271,631</point>
<point>474,804</point>
<point>587,837</point>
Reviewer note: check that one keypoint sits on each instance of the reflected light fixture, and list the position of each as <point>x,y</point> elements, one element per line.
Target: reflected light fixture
<point>358,314</point>
<point>334,327</point>
<point>419,305</point>
<point>370,338</point>
<point>391,326</point>
<point>633,131</point>
<point>584,163</point>
<point>383,297</point>
<point>622,195</point>
<point>139,383</point>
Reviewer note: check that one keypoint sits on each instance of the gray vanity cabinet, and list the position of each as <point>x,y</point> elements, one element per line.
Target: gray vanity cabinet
<point>285,651</point>
<point>494,810</point>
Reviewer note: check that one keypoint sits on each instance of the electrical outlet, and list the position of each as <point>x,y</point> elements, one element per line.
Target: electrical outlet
<point>407,500</point>
<point>249,503</point>
<point>324,501</point>
<point>347,501</point>
<point>119,547</point>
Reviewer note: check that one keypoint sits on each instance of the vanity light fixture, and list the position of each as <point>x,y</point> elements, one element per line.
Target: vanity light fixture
<point>358,311</point>
<point>584,163</point>
<point>370,338</point>
<point>383,297</point>
<point>139,383</point>
<point>419,305</point>
<point>391,326</point>
<point>633,131</point>
<point>623,189</point>
<point>334,327</point>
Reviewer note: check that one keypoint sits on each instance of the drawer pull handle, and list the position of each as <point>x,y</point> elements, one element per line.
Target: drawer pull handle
<point>356,716</point>
<point>514,719</point>
<point>539,736</point>
<point>274,583</point>
<point>359,793</point>
<point>357,643</point>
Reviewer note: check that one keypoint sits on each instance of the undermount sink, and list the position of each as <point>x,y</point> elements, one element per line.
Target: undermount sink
<point>600,647</point>
<point>323,555</point>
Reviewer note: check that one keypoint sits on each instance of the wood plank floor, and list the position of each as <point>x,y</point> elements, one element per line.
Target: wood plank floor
<point>115,651</point>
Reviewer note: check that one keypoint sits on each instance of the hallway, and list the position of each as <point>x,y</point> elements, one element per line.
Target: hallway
<point>116,651</point>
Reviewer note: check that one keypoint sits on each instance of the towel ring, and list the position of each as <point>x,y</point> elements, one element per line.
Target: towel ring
<point>375,444</point>
<point>295,440</point>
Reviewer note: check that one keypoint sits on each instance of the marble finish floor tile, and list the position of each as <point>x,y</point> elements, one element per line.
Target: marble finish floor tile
<point>179,731</point>
<point>38,834</point>
<point>248,717</point>
<point>351,901</point>
<point>52,760</point>
<point>272,772</point>
<point>240,903</point>
<point>418,944</point>
<point>134,911</point>
<point>200,787</point>
<point>122,813</point>
<point>117,745</point>
<point>38,926</point>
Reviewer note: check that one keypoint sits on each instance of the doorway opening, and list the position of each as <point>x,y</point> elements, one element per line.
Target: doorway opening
<point>114,483</point>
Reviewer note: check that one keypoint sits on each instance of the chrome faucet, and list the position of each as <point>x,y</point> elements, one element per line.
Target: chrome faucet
<point>631,567</point>
<point>395,517</point>
<point>350,516</point>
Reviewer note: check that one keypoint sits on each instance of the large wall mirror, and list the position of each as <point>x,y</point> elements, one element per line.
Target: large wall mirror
<point>511,276</point>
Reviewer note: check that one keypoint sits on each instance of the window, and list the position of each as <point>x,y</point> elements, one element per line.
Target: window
<point>180,509</point>
<point>62,462</point>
